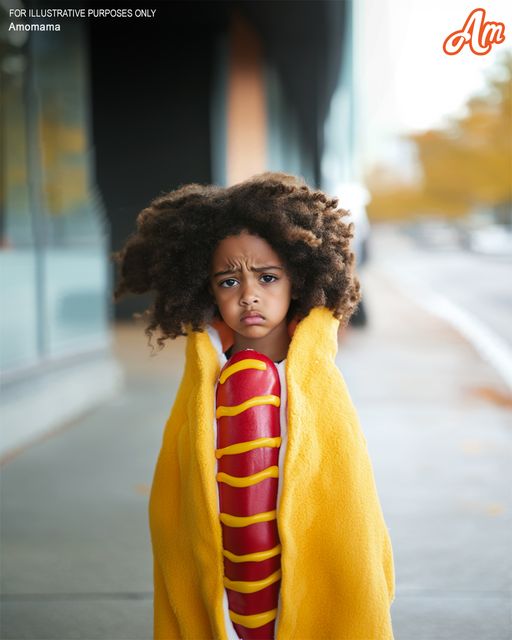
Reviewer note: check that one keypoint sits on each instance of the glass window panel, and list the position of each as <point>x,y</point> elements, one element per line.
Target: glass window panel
<point>76,291</point>
<point>18,301</point>
<point>76,299</point>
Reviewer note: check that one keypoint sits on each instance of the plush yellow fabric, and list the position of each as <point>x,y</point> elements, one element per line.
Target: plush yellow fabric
<point>337,565</point>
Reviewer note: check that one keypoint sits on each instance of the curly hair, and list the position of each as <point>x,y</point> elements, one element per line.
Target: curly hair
<point>170,254</point>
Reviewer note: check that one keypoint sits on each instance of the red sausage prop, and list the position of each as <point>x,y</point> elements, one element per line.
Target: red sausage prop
<point>248,398</point>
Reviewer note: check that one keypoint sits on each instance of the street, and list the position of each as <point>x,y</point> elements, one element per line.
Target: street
<point>76,558</point>
<point>478,283</point>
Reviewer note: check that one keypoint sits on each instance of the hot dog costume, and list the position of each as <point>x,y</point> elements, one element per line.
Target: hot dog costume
<point>336,573</point>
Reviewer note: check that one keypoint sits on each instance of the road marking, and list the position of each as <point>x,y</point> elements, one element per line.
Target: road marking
<point>491,347</point>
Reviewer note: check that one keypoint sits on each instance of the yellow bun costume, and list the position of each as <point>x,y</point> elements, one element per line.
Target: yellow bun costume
<point>337,563</point>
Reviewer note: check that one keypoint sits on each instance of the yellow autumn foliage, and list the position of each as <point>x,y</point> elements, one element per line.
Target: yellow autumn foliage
<point>466,164</point>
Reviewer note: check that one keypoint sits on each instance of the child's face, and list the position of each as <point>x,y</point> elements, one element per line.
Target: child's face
<point>251,288</point>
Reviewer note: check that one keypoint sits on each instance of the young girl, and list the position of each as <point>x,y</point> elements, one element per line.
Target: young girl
<point>264,517</point>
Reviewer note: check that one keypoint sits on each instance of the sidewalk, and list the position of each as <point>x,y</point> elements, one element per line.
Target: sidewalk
<point>438,423</point>
<point>76,560</point>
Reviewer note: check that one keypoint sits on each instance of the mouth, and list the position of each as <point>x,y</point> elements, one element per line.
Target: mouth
<point>252,318</point>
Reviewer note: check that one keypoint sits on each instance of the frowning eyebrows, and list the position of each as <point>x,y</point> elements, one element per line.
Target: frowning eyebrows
<point>255,269</point>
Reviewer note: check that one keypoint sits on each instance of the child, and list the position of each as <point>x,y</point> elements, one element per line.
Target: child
<point>262,265</point>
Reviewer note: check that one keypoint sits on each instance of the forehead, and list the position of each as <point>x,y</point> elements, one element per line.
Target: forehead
<point>245,247</point>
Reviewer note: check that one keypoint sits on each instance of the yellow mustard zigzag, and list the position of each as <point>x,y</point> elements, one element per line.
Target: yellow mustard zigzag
<point>255,620</point>
<point>257,556</point>
<point>245,521</point>
<point>249,363</point>
<point>248,481</point>
<point>246,586</point>
<point>255,401</point>
<point>249,445</point>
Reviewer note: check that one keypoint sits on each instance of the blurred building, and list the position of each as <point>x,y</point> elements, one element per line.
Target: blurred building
<point>55,358</point>
<point>105,114</point>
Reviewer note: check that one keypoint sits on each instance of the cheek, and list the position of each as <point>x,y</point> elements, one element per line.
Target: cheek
<point>283,296</point>
<point>287,290</point>
<point>218,293</point>
<point>223,299</point>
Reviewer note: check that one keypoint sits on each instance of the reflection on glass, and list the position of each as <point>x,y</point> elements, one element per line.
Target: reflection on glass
<point>53,251</point>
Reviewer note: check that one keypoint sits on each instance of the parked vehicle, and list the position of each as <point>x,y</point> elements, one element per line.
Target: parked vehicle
<point>354,197</point>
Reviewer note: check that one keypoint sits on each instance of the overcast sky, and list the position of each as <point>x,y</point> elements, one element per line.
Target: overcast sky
<point>405,80</point>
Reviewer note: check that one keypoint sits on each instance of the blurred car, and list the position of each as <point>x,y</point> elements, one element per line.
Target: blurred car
<point>354,197</point>
<point>437,235</point>
<point>492,240</point>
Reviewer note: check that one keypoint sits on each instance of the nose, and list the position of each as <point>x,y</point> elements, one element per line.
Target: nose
<point>248,295</point>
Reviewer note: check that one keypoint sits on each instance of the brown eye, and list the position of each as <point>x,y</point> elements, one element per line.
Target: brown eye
<point>268,278</point>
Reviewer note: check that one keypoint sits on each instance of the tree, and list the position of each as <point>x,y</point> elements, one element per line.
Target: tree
<point>466,164</point>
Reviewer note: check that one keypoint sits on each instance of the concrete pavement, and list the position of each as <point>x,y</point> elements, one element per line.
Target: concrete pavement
<point>76,560</point>
<point>438,423</point>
